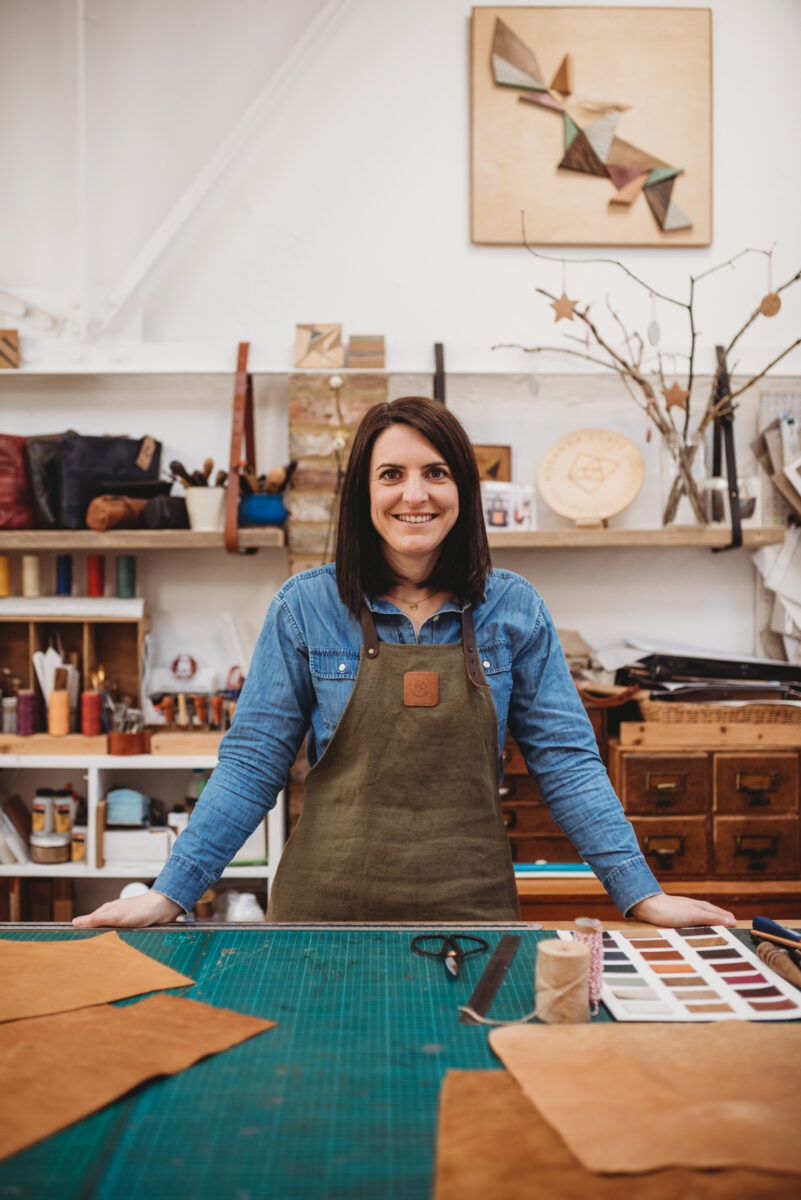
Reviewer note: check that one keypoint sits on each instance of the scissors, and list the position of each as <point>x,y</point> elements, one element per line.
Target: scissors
<point>450,947</point>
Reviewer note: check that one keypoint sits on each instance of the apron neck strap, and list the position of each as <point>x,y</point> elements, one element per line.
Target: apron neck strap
<point>368,633</point>
<point>474,672</point>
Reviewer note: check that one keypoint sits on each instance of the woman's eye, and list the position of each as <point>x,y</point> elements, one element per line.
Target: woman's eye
<point>391,474</point>
<point>438,473</point>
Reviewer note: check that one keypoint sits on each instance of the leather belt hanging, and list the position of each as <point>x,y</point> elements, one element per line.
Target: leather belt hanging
<point>242,427</point>
<point>723,441</point>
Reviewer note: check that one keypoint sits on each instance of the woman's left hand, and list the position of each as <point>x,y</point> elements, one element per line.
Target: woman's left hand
<point>680,910</point>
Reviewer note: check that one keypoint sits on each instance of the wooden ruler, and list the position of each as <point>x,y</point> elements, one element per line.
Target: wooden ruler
<point>492,978</point>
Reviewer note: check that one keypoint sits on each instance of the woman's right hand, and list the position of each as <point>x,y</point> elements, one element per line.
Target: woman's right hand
<point>151,908</point>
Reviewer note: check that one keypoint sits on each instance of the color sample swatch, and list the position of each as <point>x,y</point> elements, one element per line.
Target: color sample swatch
<point>699,973</point>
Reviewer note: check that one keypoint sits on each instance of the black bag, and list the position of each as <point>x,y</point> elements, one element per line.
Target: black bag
<point>89,463</point>
<point>43,456</point>
<point>165,512</point>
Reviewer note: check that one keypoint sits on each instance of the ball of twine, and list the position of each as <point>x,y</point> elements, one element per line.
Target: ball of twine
<point>562,982</point>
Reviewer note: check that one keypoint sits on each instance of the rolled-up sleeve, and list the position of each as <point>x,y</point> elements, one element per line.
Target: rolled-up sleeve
<point>270,722</point>
<point>549,724</point>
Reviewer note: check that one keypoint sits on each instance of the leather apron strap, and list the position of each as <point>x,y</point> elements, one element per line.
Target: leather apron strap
<point>474,673</point>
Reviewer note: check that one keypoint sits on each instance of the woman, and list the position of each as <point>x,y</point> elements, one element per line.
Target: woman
<point>405,664</point>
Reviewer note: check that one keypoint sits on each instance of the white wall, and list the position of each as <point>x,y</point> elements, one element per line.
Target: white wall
<point>350,202</point>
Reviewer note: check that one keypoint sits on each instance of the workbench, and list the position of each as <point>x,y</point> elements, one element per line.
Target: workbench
<point>339,1100</point>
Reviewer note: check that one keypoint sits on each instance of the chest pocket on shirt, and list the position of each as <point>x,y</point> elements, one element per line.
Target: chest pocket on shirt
<point>333,674</point>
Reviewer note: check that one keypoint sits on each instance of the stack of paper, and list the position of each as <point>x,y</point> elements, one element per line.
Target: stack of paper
<point>780,569</point>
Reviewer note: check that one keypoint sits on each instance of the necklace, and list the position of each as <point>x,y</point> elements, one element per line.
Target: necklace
<point>412,604</point>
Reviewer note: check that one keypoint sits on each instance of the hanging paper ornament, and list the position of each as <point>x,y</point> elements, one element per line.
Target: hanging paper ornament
<point>653,330</point>
<point>676,396</point>
<point>533,379</point>
<point>564,307</point>
<point>771,303</point>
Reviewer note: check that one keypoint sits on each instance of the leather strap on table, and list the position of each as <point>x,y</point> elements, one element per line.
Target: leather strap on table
<point>471,650</point>
<point>242,427</point>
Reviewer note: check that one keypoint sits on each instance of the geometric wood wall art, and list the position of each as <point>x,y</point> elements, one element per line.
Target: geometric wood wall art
<point>494,463</point>
<point>9,348</point>
<point>594,122</point>
<point>319,346</point>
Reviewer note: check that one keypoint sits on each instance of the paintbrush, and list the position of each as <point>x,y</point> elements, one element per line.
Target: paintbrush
<point>763,927</point>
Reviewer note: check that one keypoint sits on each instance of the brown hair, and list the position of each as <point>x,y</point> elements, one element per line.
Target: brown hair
<point>464,558</point>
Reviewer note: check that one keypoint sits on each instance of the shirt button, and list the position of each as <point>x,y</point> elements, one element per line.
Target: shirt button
<point>485,663</point>
<point>342,666</point>
<point>436,618</point>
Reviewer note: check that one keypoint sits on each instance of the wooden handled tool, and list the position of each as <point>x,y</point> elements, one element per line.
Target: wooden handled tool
<point>779,961</point>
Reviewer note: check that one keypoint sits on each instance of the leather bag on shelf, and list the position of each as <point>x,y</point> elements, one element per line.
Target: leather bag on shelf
<point>242,428</point>
<point>165,512</point>
<point>43,456</point>
<point>16,508</point>
<point>114,512</point>
<point>88,462</point>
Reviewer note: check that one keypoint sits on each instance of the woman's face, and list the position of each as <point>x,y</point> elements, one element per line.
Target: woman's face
<point>414,501</point>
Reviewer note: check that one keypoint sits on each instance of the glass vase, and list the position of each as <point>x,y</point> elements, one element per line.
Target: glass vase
<point>684,470</point>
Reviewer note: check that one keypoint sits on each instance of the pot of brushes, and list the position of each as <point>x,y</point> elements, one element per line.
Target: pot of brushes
<point>262,500</point>
<point>205,502</point>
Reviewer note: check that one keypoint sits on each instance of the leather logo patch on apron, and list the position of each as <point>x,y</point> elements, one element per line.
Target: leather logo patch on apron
<point>420,689</point>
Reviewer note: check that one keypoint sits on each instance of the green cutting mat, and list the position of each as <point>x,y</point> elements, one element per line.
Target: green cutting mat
<point>340,1100</point>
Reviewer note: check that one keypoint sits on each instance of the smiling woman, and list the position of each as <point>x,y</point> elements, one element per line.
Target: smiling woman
<point>403,665</point>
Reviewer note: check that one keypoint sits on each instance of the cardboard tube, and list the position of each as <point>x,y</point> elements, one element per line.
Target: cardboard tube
<point>31,580</point>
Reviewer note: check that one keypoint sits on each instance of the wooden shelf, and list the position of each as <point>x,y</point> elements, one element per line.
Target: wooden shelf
<point>269,536</point>
<point>567,538</point>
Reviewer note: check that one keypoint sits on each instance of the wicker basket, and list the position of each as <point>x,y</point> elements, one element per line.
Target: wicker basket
<point>665,712</point>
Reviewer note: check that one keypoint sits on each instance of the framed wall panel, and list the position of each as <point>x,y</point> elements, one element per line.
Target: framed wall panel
<point>594,122</point>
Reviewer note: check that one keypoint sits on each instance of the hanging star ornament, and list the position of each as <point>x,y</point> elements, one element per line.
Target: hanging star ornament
<point>676,396</point>
<point>563,307</point>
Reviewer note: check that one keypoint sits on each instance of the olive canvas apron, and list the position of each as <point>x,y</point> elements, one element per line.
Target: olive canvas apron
<point>401,819</point>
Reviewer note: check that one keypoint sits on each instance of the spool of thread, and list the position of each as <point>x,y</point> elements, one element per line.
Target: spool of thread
<point>58,714</point>
<point>5,575</point>
<point>9,706</point>
<point>31,578</point>
<point>589,932</point>
<point>64,575</point>
<point>25,713</point>
<point>91,708</point>
<point>562,982</point>
<point>95,575</point>
<point>126,576</point>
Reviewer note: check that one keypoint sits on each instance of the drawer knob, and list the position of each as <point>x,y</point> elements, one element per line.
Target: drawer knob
<point>665,787</point>
<point>756,785</point>
<point>756,847</point>
<point>509,819</point>
<point>664,849</point>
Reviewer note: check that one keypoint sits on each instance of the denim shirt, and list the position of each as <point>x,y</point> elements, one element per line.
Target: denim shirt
<point>302,674</point>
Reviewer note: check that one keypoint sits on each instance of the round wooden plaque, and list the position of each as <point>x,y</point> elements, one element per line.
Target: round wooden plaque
<point>591,475</point>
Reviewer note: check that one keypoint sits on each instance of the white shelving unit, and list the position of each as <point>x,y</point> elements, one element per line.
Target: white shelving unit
<point>97,773</point>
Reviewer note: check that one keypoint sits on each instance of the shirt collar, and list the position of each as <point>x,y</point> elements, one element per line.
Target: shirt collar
<point>387,609</point>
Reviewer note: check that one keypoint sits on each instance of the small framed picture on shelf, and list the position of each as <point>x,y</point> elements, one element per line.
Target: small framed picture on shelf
<point>494,463</point>
<point>508,506</point>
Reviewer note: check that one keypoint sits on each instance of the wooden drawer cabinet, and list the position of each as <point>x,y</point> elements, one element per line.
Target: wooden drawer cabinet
<point>756,783</point>
<point>665,783</point>
<point>520,787</point>
<point>756,846</point>
<point>723,814</point>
